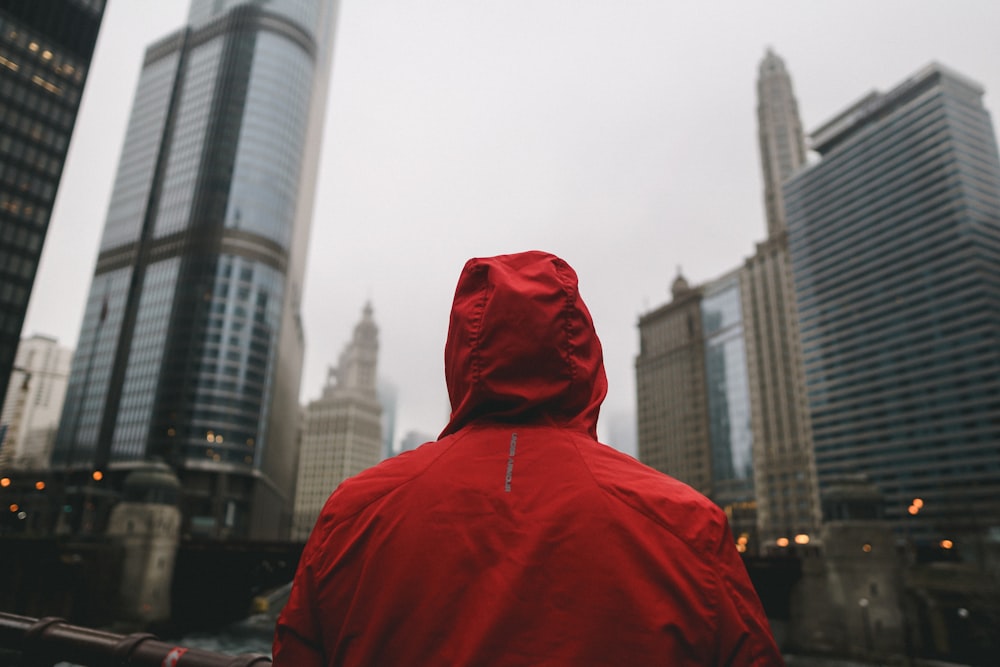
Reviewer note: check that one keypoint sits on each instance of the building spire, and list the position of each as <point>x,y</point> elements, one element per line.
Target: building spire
<point>782,142</point>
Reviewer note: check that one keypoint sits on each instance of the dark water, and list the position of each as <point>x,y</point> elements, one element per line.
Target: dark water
<point>253,635</point>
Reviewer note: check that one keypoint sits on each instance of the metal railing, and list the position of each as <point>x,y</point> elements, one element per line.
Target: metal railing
<point>47,641</point>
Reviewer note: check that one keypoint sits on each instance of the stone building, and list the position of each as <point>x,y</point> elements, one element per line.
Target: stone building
<point>342,431</point>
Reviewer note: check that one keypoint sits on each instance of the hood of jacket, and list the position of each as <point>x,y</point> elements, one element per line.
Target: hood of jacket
<point>522,347</point>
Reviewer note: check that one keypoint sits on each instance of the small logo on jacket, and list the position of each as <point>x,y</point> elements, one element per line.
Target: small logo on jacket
<point>510,462</point>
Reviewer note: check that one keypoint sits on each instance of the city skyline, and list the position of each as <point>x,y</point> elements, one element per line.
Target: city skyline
<point>587,127</point>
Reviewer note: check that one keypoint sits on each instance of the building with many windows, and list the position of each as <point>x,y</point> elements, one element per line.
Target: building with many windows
<point>728,392</point>
<point>45,52</point>
<point>895,245</point>
<point>191,345</point>
<point>787,492</point>
<point>672,406</point>
<point>34,402</point>
<point>342,429</point>
<point>693,397</point>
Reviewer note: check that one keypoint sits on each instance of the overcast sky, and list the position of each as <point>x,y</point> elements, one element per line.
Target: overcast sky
<point>618,134</point>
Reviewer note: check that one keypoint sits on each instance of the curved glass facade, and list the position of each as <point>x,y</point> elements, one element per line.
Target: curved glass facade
<point>136,169</point>
<point>268,158</point>
<point>90,374</point>
<point>191,123</point>
<point>230,389</point>
<point>728,391</point>
<point>304,13</point>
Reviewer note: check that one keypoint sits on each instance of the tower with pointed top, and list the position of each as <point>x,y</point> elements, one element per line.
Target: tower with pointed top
<point>342,430</point>
<point>779,133</point>
<point>785,482</point>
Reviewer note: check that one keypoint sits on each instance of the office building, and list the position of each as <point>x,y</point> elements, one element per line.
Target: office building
<point>342,430</point>
<point>45,52</point>
<point>34,402</point>
<point>787,492</point>
<point>693,397</point>
<point>191,345</point>
<point>672,405</point>
<point>729,416</point>
<point>895,247</point>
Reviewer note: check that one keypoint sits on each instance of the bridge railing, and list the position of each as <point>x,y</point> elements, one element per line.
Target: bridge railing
<point>50,640</point>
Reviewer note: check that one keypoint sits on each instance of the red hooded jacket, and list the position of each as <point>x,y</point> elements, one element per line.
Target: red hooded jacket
<point>516,538</point>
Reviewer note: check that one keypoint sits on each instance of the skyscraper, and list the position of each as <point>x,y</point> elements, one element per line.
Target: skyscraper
<point>779,135</point>
<point>895,244</point>
<point>191,344</point>
<point>342,433</point>
<point>45,51</point>
<point>728,393</point>
<point>672,419</point>
<point>785,481</point>
<point>693,397</point>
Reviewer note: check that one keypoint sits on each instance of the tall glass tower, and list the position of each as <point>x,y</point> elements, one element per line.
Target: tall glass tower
<point>191,344</point>
<point>895,245</point>
<point>728,393</point>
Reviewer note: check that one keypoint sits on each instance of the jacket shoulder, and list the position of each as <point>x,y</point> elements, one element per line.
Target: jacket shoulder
<point>660,498</point>
<point>356,493</point>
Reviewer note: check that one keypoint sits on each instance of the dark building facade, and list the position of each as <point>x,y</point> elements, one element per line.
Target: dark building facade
<point>895,244</point>
<point>45,52</point>
<point>191,346</point>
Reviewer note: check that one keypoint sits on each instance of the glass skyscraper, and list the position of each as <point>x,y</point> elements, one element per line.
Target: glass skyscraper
<point>45,51</point>
<point>191,344</point>
<point>730,431</point>
<point>895,244</point>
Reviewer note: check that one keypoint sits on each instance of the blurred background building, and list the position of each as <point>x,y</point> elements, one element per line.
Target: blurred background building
<point>342,430</point>
<point>34,402</point>
<point>895,247</point>
<point>45,52</point>
<point>788,504</point>
<point>191,344</point>
<point>720,382</point>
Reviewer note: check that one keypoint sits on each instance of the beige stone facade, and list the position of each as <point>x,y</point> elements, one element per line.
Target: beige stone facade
<point>784,466</point>
<point>342,430</point>
<point>670,378</point>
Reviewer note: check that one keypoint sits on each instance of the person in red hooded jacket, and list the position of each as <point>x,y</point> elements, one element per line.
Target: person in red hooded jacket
<point>517,538</point>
